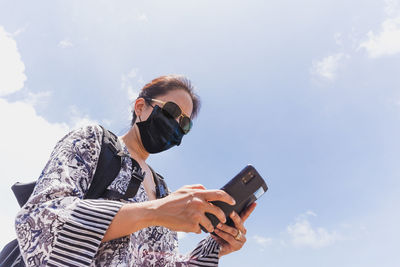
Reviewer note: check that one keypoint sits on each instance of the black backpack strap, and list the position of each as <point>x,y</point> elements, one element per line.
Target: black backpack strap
<point>11,256</point>
<point>161,185</point>
<point>23,191</point>
<point>108,165</point>
<point>132,189</point>
<point>136,180</point>
<point>134,184</point>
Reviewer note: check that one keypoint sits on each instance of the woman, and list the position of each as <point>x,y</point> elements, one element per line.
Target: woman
<point>57,227</point>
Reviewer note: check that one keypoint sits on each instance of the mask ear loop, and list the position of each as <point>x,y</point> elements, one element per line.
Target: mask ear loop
<point>140,120</point>
<point>138,116</point>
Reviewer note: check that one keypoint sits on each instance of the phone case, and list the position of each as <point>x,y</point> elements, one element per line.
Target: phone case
<point>246,187</point>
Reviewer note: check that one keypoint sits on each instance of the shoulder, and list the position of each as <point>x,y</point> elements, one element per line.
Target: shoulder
<point>73,161</point>
<point>92,132</point>
<point>88,137</point>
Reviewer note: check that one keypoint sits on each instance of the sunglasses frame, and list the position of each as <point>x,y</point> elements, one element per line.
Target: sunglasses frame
<point>180,117</point>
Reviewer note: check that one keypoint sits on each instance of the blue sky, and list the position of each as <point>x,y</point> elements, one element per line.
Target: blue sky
<point>306,91</point>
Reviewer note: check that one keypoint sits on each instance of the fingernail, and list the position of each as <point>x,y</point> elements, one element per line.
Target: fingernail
<point>219,225</point>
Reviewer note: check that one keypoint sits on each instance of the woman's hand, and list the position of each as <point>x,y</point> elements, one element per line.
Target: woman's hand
<point>184,210</point>
<point>233,238</point>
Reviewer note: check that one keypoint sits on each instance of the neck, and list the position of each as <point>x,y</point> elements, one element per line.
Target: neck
<point>134,145</point>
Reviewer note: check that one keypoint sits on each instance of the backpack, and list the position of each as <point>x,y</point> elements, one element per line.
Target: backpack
<point>108,167</point>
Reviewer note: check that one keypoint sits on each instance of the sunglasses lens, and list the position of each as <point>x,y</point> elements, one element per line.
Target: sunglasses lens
<point>186,124</point>
<point>172,109</point>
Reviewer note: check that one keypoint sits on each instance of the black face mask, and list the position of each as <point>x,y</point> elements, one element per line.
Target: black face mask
<point>159,132</point>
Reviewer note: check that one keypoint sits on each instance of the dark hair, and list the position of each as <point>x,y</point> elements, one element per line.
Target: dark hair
<point>165,84</point>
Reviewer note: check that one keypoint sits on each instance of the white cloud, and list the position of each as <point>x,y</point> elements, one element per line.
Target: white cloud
<point>182,235</point>
<point>127,81</point>
<point>133,73</point>
<point>131,83</point>
<point>106,122</point>
<point>142,17</point>
<point>77,119</point>
<point>20,30</point>
<point>302,234</point>
<point>328,67</point>
<point>309,213</point>
<point>66,43</point>
<point>338,38</point>
<point>387,41</point>
<point>29,136</point>
<point>40,98</point>
<point>27,139</point>
<point>25,144</point>
<point>262,241</point>
<point>392,7</point>
<point>12,76</point>
<point>132,93</point>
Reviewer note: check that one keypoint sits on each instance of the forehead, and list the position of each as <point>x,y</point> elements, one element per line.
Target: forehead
<point>180,97</point>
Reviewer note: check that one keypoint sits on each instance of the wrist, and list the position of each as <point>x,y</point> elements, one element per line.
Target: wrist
<point>140,215</point>
<point>130,218</point>
<point>151,213</point>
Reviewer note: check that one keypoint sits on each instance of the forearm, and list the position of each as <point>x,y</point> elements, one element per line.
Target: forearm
<point>183,210</point>
<point>130,218</point>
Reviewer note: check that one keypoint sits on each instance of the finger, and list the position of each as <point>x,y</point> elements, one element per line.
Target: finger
<point>228,238</point>
<point>217,195</point>
<point>195,186</point>
<point>198,230</point>
<point>214,237</point>
<point>206,223</point>
<point>218,239</point>
<point>210,208</point>
<point>238,222</point>
<point>245,214</point>
<point>228,229</point>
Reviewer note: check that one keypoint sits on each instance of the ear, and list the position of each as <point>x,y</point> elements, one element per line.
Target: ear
<point>139,106</point>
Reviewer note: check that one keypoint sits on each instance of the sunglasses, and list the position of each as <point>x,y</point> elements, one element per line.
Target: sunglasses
<point>173,110</point>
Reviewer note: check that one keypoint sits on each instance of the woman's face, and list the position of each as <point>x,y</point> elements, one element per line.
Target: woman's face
<point>159,134</point>
<point>178,96</point>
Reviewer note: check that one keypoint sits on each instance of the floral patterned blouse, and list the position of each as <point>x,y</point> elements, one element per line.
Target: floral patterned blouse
<point>58,227</point>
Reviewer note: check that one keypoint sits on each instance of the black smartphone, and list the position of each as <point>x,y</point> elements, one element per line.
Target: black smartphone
<point>246,187</point>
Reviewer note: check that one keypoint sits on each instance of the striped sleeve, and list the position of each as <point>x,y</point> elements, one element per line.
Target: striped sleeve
<point>206,253</point>
<point>78,241</point>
